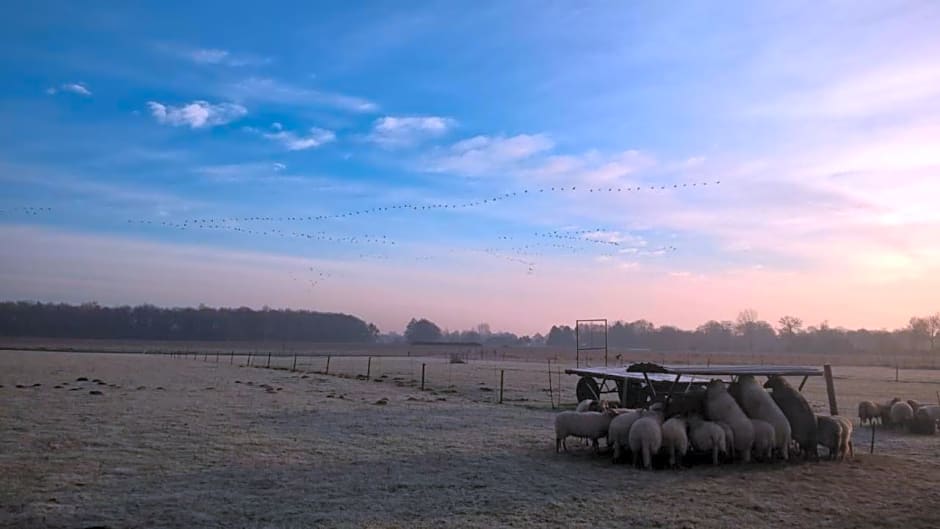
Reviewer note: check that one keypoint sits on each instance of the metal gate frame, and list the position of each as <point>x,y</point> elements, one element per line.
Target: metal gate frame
<point>577,340</point>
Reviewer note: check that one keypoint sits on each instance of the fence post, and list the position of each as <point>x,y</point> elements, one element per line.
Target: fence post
<point>830,390</point>
<point>293,366</point>
<point>231,358</point>
<point>249,360</point>
<point>501,373</point>
<point>551,394</point>
<point>269,360</point>
<point>327,372</point>
<point>422,376</point>
<point>369,368</point>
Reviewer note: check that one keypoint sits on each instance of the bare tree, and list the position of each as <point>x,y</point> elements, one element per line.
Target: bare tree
<point>933,329</point>
<point>920,330</point>
<point>789,327</point>
<point>747,320</point>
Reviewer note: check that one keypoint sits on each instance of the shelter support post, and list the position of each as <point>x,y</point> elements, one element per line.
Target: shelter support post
<point>803,383</point>
<point>830,390</point>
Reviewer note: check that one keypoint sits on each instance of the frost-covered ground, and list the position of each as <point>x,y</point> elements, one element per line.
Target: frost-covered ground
<point>187,443</point>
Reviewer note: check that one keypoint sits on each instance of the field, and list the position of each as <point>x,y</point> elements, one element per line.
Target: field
<point>210,442</point>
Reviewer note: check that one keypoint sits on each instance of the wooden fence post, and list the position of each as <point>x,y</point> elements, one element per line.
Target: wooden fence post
<point>422,376</point>
<point>369,368</point>
<point>551,393</point>
<point>830,390</point>
<point>249,360</point>
<point>327,372</point>
<point>231,358</point>
<point>501,373</point>
<point>269,360</point>
<point>293,366</point>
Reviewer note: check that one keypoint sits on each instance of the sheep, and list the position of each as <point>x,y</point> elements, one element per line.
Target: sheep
<point>925,420</point>
<point>931,410</point>
<point>868,411</point>
<point>588,405</point>
<point>829,433</point>
<point>619,431</point>
<point>914,405</point>
<point>587,425</point>
<point>758,404</point>
<point>764,439</point>
<point>720,406</point>
<point>729,438</point>
<point>901,414</point>
<point>675,439</point>
<point>707,436</point>
<point>798,413</point>
<point>845,439</point>
<point>886,411</point>
<point>646,438</point>
<point>835,433</point>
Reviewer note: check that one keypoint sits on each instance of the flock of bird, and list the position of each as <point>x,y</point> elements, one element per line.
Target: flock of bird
<point>576,242</point>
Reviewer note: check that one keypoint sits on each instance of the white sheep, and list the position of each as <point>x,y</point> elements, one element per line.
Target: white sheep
<point>587,425</point>
<point>835,433</point>
<point>707,436</point>
<point>588,405</point>
<point>925,419</point>
<point>618,434</point>
<point>729,437</point>
<point>764,439</point>
<point>758,404</point>
<point>720,406</point>
<point>675,439</point>
<point>646,438</point>
<point>901,414</point>
<point>868,411</point>
<point>845,436</point>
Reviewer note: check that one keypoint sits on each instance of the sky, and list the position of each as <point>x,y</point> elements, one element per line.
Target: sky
<point>519,163</point>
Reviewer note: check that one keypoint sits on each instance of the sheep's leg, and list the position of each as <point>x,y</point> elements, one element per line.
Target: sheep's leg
<point>714,453</point>
<point>557,445</point>
<point>647,457</point>
<point>595,445</point>
<point>636,459</point>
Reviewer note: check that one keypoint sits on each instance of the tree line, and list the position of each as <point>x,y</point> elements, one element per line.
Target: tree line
<point>147,322</point>
<point>746,334</point>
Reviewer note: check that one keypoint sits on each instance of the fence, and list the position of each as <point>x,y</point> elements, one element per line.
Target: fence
<point>497,381</point>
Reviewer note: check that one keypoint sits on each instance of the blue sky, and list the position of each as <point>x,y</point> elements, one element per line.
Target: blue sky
<point>820,120</point>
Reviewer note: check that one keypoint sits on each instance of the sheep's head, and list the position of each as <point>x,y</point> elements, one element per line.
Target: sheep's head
<point>714,387</point>
<point>776,382</point>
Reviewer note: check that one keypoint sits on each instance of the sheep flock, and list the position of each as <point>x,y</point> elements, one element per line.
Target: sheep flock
<point>741,421</point>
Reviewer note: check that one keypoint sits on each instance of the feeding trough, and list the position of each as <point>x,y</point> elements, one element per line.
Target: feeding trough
<point>642,384</point>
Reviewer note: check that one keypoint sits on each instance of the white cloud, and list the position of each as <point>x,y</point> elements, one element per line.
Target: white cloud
<point>486,154</point>
<point>197,115</point>
<point>393,131</point>
<point>296,142</point>
<point>75,88</point>
<point>211,56</point>
<point>271,91</point>
<point>882,90</point>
